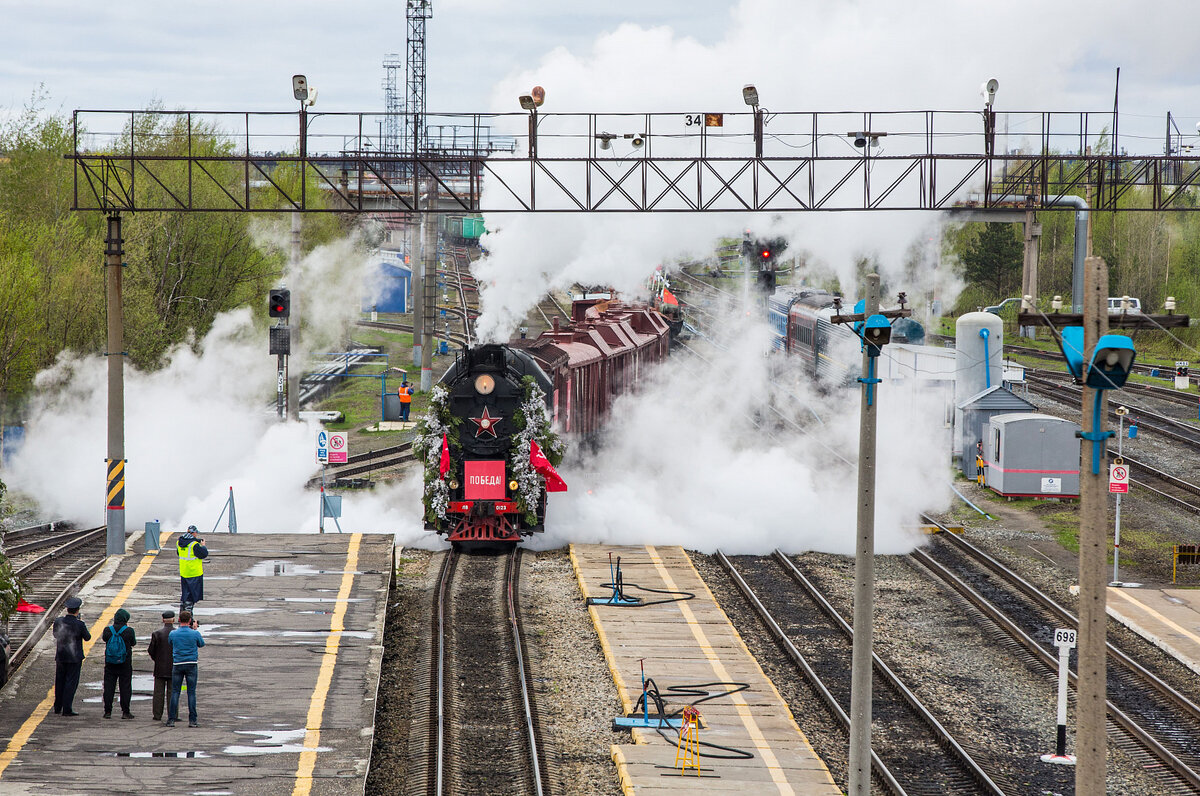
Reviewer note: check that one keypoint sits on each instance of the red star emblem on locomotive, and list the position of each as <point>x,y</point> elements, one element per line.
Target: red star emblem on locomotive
<point>485,424</point>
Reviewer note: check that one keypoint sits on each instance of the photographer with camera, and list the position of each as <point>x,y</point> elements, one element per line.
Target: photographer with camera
<point>192,552</point>
<point>185,652</point>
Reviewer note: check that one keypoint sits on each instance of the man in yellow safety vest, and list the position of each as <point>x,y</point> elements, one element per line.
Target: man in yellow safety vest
<point>191,551</point>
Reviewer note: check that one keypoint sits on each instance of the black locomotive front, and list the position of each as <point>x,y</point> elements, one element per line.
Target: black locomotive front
<point>486,390</point>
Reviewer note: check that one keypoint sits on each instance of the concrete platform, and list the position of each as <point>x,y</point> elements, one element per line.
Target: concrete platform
<point>1169,618</point>
<point>293,625</point>
<point>685,642</point>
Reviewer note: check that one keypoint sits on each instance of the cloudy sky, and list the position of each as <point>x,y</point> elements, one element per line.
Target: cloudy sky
<point>804,54</point>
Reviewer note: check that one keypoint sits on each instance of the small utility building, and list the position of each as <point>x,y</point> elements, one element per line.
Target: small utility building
<point>389,283</point>
<point>1032,455</point>
<point>976,412</point>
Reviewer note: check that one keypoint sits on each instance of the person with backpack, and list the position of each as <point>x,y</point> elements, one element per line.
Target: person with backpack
<point>119,641</point>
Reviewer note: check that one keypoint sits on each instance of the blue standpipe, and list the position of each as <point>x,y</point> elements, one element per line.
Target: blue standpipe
<point>987,360</point>
<point>1097,438</point>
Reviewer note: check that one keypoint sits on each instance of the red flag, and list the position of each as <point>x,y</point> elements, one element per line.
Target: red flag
<point>669,298</point>
<point>28,608</point>
<point>541,464</point>
<point>444,464</point>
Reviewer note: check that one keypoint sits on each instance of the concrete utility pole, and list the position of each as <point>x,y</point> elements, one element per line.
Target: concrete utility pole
<point>864,576</point>
<point>1029,273</point>
<point>429,297</point>
<point>417,263</point>
<point>1091,740</point>
<point>293,381</point>
<point>115,482</point>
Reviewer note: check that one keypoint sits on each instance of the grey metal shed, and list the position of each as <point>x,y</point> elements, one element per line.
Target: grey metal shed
<point>1032,455</point>
<point>976,411</point>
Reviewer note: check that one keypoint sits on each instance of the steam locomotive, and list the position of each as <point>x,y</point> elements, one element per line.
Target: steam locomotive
<point>489,442</point>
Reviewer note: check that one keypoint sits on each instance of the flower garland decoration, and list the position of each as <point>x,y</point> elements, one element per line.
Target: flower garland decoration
<point>437,423</point>
<point>532,422</point>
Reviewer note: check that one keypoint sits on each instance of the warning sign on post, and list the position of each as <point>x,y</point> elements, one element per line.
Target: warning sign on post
<point>339,447</point>
<point>1118,478</point>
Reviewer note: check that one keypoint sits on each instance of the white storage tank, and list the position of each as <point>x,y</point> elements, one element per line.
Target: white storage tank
<point>979,361</point>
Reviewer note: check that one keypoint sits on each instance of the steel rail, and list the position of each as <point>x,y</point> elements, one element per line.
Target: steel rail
<point>1062,614</point>
<point>1151,391</point>
<point>1119,717</point>
<point>73,539</point>
<point>47,616</point>
<point>1051,389</point>
<point>512,574</point>
<point>1057,357</point>
<point>34,530</point>
<point>940,732</point>
<point>439,684</point>
<point>781,638</point>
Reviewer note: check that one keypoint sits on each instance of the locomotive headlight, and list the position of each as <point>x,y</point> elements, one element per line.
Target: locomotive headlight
<point>484,384</point>
<point>454,483</point>
<point>512,486</point>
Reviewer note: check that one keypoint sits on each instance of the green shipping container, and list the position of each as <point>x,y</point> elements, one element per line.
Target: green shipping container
<point>472,228</point>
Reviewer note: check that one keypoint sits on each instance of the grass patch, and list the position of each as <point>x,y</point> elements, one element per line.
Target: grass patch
<point>1065,525</point>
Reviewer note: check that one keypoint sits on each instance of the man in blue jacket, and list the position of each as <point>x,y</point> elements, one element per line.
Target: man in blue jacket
<point>185,651</point>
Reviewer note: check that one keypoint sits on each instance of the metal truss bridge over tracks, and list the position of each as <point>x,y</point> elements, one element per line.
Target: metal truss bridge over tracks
<point>646,162</point>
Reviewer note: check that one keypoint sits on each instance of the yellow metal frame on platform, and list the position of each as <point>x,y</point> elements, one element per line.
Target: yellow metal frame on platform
<point>316,707</point>
<point>22,736</point>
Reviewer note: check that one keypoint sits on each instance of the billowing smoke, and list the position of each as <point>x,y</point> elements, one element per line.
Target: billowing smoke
<point>200,424</point>
<point>702,458</point>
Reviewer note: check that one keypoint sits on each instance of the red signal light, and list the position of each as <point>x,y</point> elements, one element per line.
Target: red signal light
<point>766,253</point>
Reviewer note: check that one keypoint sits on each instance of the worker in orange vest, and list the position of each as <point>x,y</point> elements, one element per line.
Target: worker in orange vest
<point>406,393</point>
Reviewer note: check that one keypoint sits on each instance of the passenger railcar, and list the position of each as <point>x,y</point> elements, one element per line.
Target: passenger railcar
<point>491,491</point>
<point>799,318</point>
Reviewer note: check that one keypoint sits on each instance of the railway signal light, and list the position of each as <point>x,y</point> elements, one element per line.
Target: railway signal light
<point>279,303</point>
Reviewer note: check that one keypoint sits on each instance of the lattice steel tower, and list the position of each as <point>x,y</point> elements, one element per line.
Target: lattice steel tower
<point>418,12</point>
<point>393,100</point>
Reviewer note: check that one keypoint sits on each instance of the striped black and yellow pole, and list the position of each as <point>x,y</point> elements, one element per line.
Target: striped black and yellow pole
<point>115,492</point>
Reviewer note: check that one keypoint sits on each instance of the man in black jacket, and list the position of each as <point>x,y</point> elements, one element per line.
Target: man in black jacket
<point>69,634</point>
<point>160,652</point>
<point>118,662</point>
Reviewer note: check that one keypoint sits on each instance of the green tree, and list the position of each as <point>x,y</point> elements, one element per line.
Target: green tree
<point>993,260</point>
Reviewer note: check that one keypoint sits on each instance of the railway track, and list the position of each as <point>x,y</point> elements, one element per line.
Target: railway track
<point>1148,718</point>
<point>819,646</point>
<point>1185,433</point>
<point>483,733</point>
<point>367,462</point>
<point>1054,356</point>
<point>53,563</point>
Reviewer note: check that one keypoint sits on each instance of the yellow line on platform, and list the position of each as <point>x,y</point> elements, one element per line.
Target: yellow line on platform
<point>618,758</point>
<point>609,658</point>
<point>316,708</point>
<point>22,736</point>
<point>1155,614</point>
<point>760,742</point>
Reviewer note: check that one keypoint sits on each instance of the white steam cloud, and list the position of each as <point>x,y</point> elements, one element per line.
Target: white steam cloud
<point>200,424</point>
<point>698,458</point>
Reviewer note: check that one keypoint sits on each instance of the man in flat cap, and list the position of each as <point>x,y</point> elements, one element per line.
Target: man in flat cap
<point>69,634</point>
<point>160,653</point>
